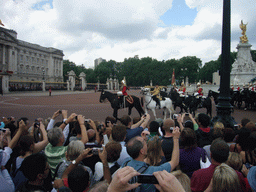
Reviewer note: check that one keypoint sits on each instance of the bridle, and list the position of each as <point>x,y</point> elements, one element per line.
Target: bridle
<point>144,92</point>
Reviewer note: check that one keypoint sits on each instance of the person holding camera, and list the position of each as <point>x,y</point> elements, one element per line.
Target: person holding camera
<point>136,129</point>
<point>167,182</point>
<point>113,150</point>
<point>167,143</point>
<point>55,151</point>
<point>137,149</point>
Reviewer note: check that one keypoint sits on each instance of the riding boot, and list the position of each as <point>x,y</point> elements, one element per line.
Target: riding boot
<point>159,104</point>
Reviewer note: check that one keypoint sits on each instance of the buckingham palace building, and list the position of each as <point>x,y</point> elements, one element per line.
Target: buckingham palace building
<point>23,64</point>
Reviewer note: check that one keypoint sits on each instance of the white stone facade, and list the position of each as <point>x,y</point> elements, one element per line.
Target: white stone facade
<point>27,61</point>
<point>244,68</point>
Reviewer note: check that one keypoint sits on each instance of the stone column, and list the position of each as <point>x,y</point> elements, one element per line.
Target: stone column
<point>72,80</point>
<point>115,85</point>
<point>68,86</point>
<point>5,83</point>
<point>82,77</point>
<point>107,84</point>
<point>186,81</point>
<point>111,83</point>
<point>43,86</point>
<point>98,85</point>
<point>151,84</point>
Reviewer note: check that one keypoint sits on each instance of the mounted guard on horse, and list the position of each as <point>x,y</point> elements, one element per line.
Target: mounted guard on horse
<point>199,95</point>
<point>156,95</point>
<point>123,95</point>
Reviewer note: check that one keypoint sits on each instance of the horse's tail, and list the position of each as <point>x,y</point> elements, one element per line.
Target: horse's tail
<point>142,102</point>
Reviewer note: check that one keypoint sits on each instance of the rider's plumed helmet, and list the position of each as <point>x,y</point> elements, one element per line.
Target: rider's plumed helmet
<point>123,82</point>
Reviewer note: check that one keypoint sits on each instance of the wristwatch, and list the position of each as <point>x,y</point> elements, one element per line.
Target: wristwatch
<point>74,162</point>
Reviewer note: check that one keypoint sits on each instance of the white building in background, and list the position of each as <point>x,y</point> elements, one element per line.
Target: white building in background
<point>25,61</point>
<point>98,61</point>
<point>216,78</point>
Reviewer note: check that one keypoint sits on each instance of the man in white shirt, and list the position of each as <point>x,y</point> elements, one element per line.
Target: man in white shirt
<point>118,135</point>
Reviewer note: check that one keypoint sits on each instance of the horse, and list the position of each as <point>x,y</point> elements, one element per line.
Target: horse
<point>215,96</point>
<point>115,103</point>
<point>196,102</point>
<point>178,101</point>
<point>151,104</point>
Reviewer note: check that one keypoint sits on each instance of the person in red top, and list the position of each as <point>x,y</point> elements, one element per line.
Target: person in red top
<point>50,91</point>
<point>182,89</point>
<point>124,87</point>
<point>232,87</point>
<point>238,88</point>
<point>199,89</point>
<point>121,97</point>
<point>201,178</point>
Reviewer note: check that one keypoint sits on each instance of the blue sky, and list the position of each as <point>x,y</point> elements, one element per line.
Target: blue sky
<point>179,14</point>
<point>39,6</point>
<point>115,30</point>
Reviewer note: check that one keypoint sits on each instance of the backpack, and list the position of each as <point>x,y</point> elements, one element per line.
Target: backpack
<point>17,175</point>
<point>204,139</point>
<point>134,179</point>
<point>112,170</point>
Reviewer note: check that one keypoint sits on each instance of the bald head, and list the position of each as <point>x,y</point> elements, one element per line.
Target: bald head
<point>91,135</point>
<point>167,124</point>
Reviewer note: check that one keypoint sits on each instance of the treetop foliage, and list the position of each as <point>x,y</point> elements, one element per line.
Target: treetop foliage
<point>139,72</point>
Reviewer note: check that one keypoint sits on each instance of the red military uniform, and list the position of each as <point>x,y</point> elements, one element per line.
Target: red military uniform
<point>124,90</point>
<point>200,91</point>
<point>183,89</point>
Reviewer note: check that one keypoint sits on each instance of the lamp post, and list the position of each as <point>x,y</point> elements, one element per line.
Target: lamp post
<point>224,107</point>
<point>183,74</point>
<point>43,74</point>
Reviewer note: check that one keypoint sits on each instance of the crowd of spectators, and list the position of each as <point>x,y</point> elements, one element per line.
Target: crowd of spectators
<point>74,153</point>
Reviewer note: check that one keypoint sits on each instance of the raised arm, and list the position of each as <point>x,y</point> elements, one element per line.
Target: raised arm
<point>15,139</point>
<point>193,120</point>
<point>106,170</point>
<point>180,120</point>
<point>69,120</point>
<point>82,156</point>
<point>176,151</point>
<point>80,120</point>
<point>92,124</point>
<point>52,121</point>
<point>42,144</point>
<point>143,122</point>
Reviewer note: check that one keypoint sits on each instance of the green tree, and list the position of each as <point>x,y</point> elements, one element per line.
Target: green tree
<point>188,67</point>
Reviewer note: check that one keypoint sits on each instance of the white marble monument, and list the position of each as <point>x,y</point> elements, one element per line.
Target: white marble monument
<point>244,68</point>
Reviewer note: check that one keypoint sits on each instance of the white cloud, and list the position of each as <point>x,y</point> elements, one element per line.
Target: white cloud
<point>113,29</point>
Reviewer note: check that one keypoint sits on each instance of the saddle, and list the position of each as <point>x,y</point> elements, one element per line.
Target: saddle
<point>129,99</point>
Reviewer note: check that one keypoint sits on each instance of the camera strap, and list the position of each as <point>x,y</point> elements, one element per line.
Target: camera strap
<point>141,170</point>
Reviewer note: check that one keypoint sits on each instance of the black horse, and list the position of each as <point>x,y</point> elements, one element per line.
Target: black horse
<point>215,96</point>
<point>178,101</point>
<point>115,103</point>
<point>197,102</point>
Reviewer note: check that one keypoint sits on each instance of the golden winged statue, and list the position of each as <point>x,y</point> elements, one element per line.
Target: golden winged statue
<point>244,38</point>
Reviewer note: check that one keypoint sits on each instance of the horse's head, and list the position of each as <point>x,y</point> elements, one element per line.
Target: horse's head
<point>102,96</point>
<point>145,91</point>
<point>210,93</point>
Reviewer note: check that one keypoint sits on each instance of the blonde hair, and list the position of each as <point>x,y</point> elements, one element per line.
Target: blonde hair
<point>75,148</point>
<point>235,161</point>
<point>154,150</point>
<point>183,179</point>
<point>225,179</point>
<point>218,128</point>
